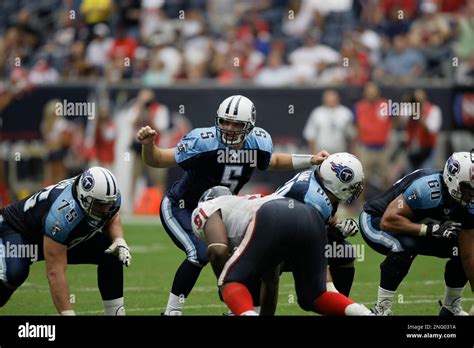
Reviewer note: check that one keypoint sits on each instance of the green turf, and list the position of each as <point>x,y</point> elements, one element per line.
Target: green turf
<point>155,259</point>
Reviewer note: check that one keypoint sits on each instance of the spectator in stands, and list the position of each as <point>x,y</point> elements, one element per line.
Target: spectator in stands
<point>76,65</point>
<point>156,74</point>
<point>373,132</point>
<point>98,48</point>
<point>431,34</point>
<point>394,22</point>
<point>462,137</point>
<point>465,44</point>
<point>43,73</point>
<point>56,133</point>
<point>275,73</point>
<point>100,143</point>
<point>422,133</point>
<point>96,11</point>
<point>311,59</point>
<point>402,64</point>
<point>330,126</point>
<point>464,74</point>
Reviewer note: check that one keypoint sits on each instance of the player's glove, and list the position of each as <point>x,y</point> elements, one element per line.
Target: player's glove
<point>120,249</point>
<point>347,228</point>
<point>471,312</point>
<point>448,230</point>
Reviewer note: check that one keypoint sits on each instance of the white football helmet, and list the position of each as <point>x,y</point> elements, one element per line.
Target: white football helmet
<point>342,175</point>
<point>458,175</point>
<point>97,191</point>
<point>237,109</point>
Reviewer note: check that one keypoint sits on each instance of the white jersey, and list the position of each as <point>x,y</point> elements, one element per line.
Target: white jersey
<point>237,213</point>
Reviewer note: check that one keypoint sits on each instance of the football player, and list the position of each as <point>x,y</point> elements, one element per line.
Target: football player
<point>249,237</point>
<point>225,154</point>
<point>73,222</point>
<point>427,212</point>
<point>337,180</point>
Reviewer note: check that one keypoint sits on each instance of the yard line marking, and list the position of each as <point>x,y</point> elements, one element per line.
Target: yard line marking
<point>149,309</point>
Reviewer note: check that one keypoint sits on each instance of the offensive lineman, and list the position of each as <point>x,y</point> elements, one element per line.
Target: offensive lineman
<point>429,213</point>
<point>204,155</point>
<point>338,179</point>
<point>73,222</point>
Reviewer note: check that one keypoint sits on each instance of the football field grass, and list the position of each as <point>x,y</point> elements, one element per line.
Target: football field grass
<point>155,259</point>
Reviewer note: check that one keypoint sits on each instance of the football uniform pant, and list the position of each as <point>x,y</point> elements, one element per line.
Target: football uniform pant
<point>400,251</point>
<point>14,268</point>
<point>296,235</point>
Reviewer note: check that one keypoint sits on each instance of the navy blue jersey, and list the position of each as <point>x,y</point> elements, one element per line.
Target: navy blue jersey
<point>208,163</point>
<point>54,212</point>
<point>426,194</point>
<point>306,188</point>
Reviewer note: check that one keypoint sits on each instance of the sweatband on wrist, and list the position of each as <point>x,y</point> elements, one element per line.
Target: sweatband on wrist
<point>301,161</point>
<point>423,230</point>
<point>68,312</point>
<point>217,244</point>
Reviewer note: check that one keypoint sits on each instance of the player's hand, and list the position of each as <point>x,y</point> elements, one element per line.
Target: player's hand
<point>319,157</point>
<point>146,135</point>
<point>448,230</point>
<point>347,228</point>
<point>471,312</point>
<point>120,249</point>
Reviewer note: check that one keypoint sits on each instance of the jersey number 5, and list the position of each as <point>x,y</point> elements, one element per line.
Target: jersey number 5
<point>231,176</point>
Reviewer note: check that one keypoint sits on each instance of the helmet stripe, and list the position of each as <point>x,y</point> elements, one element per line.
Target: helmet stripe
<point>108,184</point>
<point>113,181</point>
<point>227,110</point>
<point>236,109</point>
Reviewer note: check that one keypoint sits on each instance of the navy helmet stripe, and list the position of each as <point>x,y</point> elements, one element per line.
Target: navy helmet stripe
<point>113,181</point>
<point>227,110</point>
<point>108,184</point>
<point>236,109</point>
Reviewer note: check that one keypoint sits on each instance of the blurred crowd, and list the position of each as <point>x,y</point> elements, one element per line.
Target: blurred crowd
<point>267,42</point>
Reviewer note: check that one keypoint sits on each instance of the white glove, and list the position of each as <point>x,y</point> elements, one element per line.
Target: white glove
<point>120,249</point>
<point>347,228</point>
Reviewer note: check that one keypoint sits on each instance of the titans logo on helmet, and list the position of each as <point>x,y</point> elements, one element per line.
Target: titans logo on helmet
<point>88,181</point>
<point>453,166</point>
<point>343,173</point>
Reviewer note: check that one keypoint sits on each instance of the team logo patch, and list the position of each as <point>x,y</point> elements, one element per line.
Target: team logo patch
<point>453,166</point>
<point>88,181</point>
<point>182,147</point>
<point>343,173</point>
<point>55,230</point>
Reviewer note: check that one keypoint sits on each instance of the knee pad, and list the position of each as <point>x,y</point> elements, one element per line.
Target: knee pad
<point>17,272</point>
<point>397,263</point>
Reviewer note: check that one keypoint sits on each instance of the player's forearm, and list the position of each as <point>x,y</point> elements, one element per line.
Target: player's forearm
<point>151,155</point>
<point>114,228</point>
<point>217,256</point>
<point>398,224</point>
<point>59,290</point>
<point>281,161</point>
